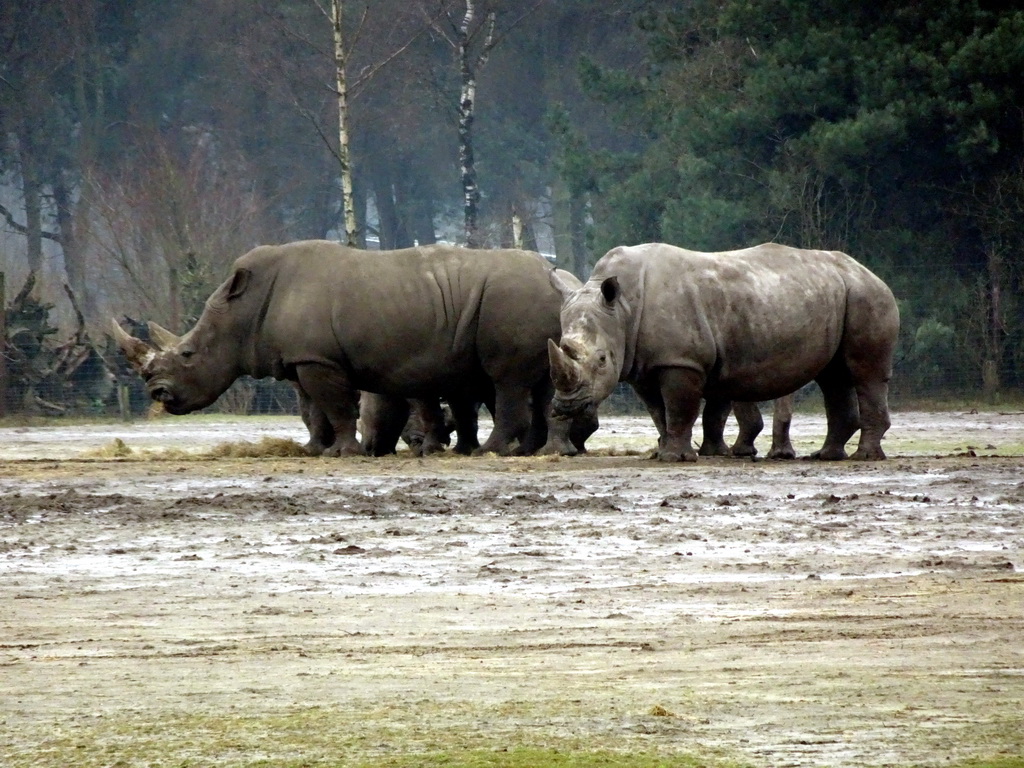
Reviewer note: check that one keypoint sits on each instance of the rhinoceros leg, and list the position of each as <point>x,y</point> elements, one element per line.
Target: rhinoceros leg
<point>430,424</point>
<point>681,393</point>
<point>381,421</point>
<point>841,416</point>
<point>649,391</point>
<point>650,394</point>
<point>583,426</point>
<point>511,419</point>
<point>782,418</point>
<point>750,421</point>
<point>716,413</point>
<point>329,391</point>
<point>873,401</point>
<point>465,412</point>
<point>537,438</point>
<point>321,433</point>
<point>559,441</point>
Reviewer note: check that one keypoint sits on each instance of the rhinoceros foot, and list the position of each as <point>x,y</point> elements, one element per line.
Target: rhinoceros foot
<point>314,448</point>
<point>828,454</point>
<point>712,447</point>
<point>558,448</point>
<point>339,450</point>
<point>743,450</point>
<point>673,456</point>
<point>783,452</point>
<point>874,453</point>
<point>430,445</point>
<point>466,448</point>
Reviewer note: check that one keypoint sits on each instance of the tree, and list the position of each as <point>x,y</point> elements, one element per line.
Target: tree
<point>344,156</point>
<point>472,40</point>
<point>168,222</point>
<point>55,99</point>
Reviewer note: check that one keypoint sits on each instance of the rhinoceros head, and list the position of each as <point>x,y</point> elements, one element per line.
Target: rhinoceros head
<point>587,362</point>
<point>186,373</point>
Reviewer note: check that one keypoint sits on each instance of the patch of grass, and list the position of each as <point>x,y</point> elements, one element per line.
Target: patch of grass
<point>529,757</point>
<point>327,737</point>
<point>401,735</point>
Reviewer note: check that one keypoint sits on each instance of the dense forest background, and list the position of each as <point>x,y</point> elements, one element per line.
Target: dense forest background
<point>145,144</point>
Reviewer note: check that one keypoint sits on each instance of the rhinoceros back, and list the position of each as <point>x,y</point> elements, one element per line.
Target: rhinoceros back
<point>411,322</point>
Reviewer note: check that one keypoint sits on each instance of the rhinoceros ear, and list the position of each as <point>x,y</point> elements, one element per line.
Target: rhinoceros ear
<point>560,284</point>
<point>565,372</point>
<point>136,350</point>
<point>238,283</point>
<point>230,289</point>
<point>162,338</point>
<point>610,289</point>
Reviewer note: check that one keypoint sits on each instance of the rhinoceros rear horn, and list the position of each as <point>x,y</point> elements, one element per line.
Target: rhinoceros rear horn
<point>136,350</point>
<point>162,338</point>
<point>565,372</point>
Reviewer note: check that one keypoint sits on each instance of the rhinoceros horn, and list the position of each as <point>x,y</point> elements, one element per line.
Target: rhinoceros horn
<point>565,372</point>
<point>162,338</point>
<point>136,350</point>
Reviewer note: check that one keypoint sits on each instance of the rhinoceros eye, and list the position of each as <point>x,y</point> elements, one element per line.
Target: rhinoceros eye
<point>602,359</point>
<point>187,353</point>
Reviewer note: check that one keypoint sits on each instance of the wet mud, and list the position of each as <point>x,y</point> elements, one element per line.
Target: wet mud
<point>779,613</point>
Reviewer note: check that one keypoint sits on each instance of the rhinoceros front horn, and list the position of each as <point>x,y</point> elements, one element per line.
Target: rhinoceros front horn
<point>162,338</point>
<point>565,372</point>
<point>136,350</point>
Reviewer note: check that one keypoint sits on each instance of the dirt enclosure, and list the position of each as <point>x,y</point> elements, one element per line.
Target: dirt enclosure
<point>773,613</point>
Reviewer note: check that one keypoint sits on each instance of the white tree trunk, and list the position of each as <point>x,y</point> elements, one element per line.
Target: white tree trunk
<point>341,84</point>
<point>517,229</point>
<point>467,99</point>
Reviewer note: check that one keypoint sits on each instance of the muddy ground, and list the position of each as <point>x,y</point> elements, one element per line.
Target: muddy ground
<point>776,613</point>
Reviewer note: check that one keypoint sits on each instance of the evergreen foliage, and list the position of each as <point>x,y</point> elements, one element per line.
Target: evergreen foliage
<point>892,131</point>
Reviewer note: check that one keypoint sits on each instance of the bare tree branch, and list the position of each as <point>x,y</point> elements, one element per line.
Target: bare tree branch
<point>21,229</point>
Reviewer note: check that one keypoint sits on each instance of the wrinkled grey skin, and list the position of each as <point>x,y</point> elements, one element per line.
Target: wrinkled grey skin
<point>381,419</point>
<point>744,326</point>
<point>415,323</point>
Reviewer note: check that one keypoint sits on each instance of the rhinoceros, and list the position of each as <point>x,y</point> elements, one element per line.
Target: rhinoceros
<point>418,322</point>
<point>744,325</point>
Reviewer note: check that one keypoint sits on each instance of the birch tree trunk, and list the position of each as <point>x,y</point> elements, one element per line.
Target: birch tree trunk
<point>467,99</point>
<point>341,85</point>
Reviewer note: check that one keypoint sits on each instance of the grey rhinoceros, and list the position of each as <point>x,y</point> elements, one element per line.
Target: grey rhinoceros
<point>745,325</point>
<point>418,322</point>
